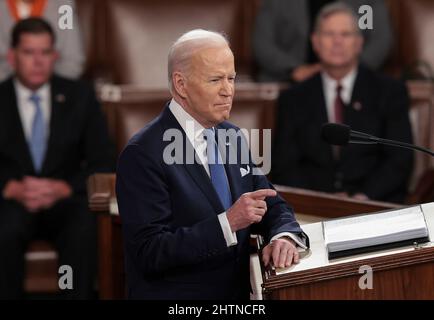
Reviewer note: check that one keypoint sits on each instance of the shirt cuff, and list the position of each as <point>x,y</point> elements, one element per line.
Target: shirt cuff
<point>230,237</point>
<point>293,236</point>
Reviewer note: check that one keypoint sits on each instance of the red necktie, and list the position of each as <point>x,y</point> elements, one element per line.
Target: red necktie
<point>339,105</point>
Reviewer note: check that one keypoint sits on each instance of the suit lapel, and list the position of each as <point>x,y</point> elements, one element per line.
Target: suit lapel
<point>232,170</point>
<point>318,98</point>
<point>358,98</point>
<point>200,176</point>
<point>195,170</point>
<point>58,119</point>
<point>22,151</point>
<point>234,177</point>
<point>360,92</point>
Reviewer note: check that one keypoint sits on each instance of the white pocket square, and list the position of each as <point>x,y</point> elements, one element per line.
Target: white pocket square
<point>245,171</point>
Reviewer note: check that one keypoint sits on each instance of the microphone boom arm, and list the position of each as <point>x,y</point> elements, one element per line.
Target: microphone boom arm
<point>404,145</point>
<point>341,134</point>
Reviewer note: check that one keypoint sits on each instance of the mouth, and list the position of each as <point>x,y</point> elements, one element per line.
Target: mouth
<point>223,105</point>
<point>38,74</point>
<point>337,53</point>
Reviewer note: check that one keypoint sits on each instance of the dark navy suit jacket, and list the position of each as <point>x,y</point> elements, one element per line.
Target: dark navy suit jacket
<point>174,244</point>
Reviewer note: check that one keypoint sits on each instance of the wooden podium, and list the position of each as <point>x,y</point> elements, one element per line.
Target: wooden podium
<point>403,273</point>
<point>111,274</point>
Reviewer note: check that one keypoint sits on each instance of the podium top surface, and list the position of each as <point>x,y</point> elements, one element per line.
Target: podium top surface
<point>317,256</point>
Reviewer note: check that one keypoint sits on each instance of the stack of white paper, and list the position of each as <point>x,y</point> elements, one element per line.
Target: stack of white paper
<point>375,229</point>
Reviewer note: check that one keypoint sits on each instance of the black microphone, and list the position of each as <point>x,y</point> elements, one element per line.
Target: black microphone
<point>341,135</point>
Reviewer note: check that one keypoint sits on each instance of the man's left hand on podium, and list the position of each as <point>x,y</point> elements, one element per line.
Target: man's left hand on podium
<point>280,253</point>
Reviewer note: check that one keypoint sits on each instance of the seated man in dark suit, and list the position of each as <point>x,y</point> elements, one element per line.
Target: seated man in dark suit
<point>187,223</point>
<point>52,136</point>
<point>345,92</point>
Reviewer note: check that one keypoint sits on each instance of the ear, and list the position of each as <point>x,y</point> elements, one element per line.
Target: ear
<point>11,58</point>
<point>179,83</point>
<point>56,55</point>
<point>360,42</point>
<point>315,41</point>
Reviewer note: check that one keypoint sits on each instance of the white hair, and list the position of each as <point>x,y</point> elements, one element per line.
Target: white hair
<point>187,45</point>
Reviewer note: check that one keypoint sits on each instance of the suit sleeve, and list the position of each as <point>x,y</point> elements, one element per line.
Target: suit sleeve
<point>151,240</point>
<point>96,148</point>
<point>395,168</point>
<point>10,170</point>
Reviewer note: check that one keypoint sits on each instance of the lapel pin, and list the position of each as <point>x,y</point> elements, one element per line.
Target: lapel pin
<point>357,106</point>
<point>60,98</point>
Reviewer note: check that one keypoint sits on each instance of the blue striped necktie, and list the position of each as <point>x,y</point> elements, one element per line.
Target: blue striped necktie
<point>37,139</point>
<point>217,170</point>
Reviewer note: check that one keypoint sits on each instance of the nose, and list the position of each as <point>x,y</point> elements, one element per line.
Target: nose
<point>339,38</point>
<point>227,88</point>
<point>38,59</point>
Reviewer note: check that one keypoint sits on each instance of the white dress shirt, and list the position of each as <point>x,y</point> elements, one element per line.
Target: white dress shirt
<point>195,134</point>
<point>329,88</point>
<point>27,109</point>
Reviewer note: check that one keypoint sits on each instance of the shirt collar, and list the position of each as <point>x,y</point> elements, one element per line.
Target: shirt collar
<point>25,93</point>
<point>346,82</point>
<point>192,128</point>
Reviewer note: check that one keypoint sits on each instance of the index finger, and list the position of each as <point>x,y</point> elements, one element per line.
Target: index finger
<point>261,194</point>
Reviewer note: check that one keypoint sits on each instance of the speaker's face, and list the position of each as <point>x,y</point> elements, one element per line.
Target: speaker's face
<point>210,85</point>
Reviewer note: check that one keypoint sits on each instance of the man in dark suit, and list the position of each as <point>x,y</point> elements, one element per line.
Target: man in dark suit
<point>345,92</point>
<point>187,212</point>
<point>52,136</point>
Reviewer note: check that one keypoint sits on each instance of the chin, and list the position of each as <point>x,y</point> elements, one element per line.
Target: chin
<point>339,61</point>
<point>221,119</point>
<point>37,81</point>
<point>336,64</point>
<point>226,115</point>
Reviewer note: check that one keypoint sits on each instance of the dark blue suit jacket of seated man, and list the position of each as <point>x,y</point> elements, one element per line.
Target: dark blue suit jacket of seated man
<point>174,244</point>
